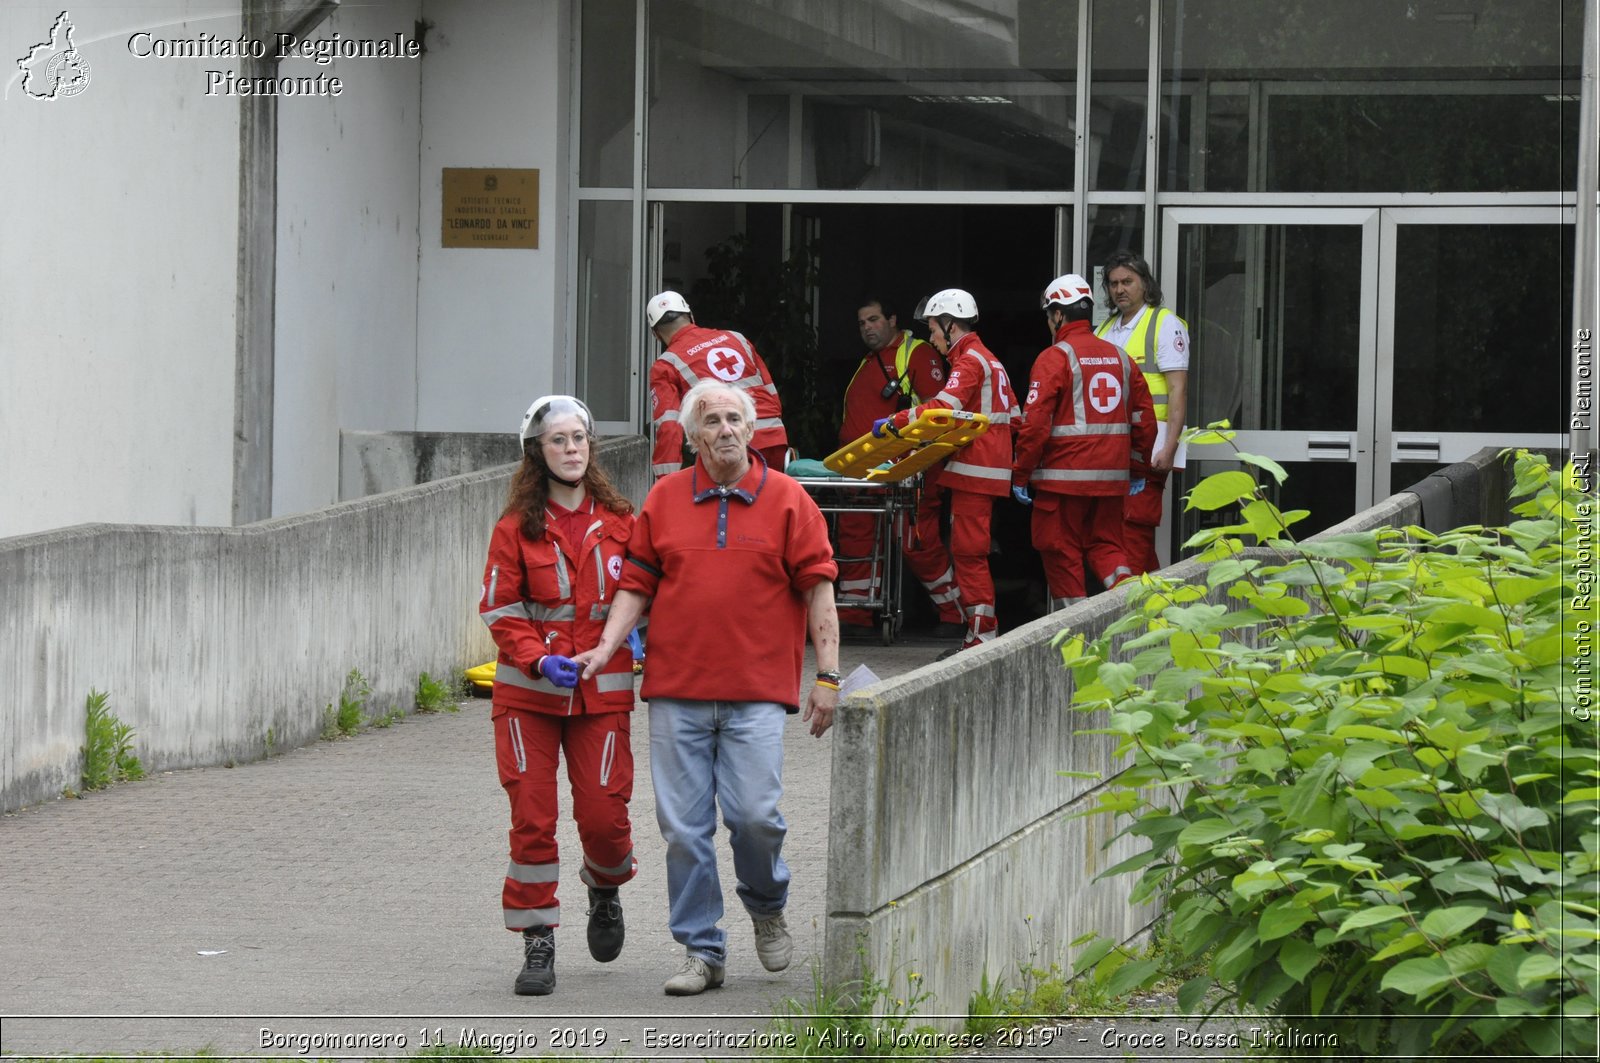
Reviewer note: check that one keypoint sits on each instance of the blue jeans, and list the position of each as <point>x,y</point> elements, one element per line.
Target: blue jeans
<point>709,753</point>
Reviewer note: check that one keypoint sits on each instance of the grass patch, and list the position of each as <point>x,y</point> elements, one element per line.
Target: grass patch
<point>869,1016</point>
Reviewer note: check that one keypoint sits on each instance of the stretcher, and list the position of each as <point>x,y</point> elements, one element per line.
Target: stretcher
<point>894,504</point>
<point>929,439</point>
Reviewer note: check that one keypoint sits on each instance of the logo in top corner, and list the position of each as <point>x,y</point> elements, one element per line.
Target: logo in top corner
<point>54,69</point>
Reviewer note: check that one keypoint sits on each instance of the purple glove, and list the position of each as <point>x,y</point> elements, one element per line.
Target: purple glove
<point>562,671</point>
<point>882,427</point>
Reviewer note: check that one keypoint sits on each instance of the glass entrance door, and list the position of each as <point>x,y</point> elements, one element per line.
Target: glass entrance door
<point>1282,311</point>
<point>1472,336</point>
<point>1365,348</point>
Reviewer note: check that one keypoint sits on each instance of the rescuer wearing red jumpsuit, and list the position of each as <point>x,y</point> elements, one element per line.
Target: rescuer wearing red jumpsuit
<point>1087,421</point>
<point>897,370</point>
<point>981,471</point>
<point>694,354</point>
<point>555,560</point>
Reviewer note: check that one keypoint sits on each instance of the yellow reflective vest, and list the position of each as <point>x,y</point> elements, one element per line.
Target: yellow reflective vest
<point>902,360</point>
<point>1138,349</point>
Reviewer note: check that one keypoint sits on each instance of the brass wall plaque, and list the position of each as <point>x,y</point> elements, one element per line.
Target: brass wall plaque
<point>490,208</point>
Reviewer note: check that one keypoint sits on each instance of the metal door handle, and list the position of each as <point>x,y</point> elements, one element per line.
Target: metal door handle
<point>1328,448</point>
<point>1416,449</point>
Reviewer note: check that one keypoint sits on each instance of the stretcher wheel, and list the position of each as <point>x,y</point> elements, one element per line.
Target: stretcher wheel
<point>889,627</point>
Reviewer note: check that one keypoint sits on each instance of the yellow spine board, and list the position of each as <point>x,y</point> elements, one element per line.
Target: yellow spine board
<point>933,436</point>
<point>482,675</point>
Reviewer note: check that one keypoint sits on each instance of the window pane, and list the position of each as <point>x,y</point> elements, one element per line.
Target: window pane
<point>605,153</point>
<point>604,348</point>
<point>1275,324</point>
<point>1117,97</point>
<point>1370,95</point>
<point>890,95</point>
<point>1496,361</point>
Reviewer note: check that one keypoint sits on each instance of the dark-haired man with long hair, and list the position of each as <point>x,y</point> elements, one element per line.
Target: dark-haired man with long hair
<point>1158,342</point>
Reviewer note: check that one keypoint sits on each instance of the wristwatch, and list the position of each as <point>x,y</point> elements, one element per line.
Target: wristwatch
<point>832,677</point>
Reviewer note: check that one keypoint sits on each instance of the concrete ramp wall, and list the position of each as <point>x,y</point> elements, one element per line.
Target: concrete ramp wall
<point>219,644</point>
<point>953,850</point>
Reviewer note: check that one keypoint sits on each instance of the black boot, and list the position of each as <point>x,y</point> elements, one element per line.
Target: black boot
<point>605,925</point>
<point>538,975</point>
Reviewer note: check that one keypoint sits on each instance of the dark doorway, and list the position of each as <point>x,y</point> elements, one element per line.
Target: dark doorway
<point>731,260</point>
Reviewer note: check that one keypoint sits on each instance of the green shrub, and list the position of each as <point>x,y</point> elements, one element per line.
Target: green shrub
<point>108,755</point>
<point>434,696</point>
<point>351,712</point>
<point>1366,771</point>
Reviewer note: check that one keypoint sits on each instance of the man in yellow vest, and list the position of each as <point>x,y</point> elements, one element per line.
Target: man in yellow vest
<point>897,371</point>
<point>1158,342</point>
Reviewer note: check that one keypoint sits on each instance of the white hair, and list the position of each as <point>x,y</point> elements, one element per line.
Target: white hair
<point>689,412</point>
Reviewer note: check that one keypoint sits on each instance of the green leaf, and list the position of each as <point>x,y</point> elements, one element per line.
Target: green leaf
<point>1406,666</point>
<point>1400,946</point>
<point>1537,967</point>
<point>1464,959</point>
<point>1131,976</point>
<point>1283,917</point>
<point>1206,831</point>
<point>1343,547</point>
<point>1297,958</point>
<point>1373,916</point>
<point>1365,730</point>
<point>1221,490</point>
<point>1268,464</point>
<point>1503,966</point>
<point>1192,994</point>
<point>1418,977</point>
<point>1511,813</point>
<point>1442,924</point>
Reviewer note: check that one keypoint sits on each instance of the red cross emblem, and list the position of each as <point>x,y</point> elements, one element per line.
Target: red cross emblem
<point>725,363</point>
<point>1105,392</point>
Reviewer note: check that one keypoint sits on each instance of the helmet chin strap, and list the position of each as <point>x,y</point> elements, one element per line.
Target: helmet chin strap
<point>565,483</point>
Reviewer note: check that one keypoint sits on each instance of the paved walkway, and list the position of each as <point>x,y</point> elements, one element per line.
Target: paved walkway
<point>353,888</point>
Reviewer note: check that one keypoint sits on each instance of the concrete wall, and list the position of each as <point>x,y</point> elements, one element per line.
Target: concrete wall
<point>951,847</point>
<point>119,211</point>
<point>211,639</point>
<point>496,92</point>
<point>370,462</point>
<point>346,300</point>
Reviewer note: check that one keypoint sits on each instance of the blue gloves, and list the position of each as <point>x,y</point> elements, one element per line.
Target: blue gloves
<point>1135,486</point>
<point>1021,495</point>
<point>880,427</point>
<point>562,671</point>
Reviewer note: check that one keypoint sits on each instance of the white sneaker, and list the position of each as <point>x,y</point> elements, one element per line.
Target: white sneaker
<point>773,944</point>
<point>695,976</point>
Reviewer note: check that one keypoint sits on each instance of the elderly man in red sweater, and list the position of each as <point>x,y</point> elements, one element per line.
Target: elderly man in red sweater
<point>734,561</point>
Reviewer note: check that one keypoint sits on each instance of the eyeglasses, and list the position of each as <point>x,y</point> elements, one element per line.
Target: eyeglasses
<point>560,441</point>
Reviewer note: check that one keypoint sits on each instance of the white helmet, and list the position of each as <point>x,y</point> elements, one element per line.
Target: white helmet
<point>1068,289</point>
<point>542,410</point>
<point>662,304</point>
<point>953,301</point>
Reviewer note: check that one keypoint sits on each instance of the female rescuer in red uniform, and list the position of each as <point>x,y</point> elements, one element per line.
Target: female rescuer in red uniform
<point>555,560</point>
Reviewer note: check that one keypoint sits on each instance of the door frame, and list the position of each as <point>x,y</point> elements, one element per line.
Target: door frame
<point>1330,444</point>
